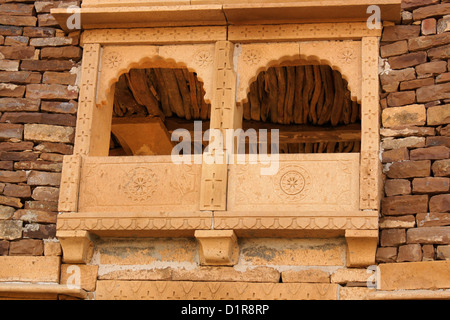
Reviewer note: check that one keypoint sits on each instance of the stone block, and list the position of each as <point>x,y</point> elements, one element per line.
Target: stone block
<point>11,131</point>
<point>431,185</point>
<point>26,247</point>
<point>440,203</point>
<point>443,252</point>
<point>29,269</point>
<point>10,229</point>
<point>48,133</point>
<point>397,222</point>
<point>428,252</point>
<point>305,276</point>
<point>396,187</point>
<point>229,274</point>
<point>433,93</point>
<point>395,155</point>
<point>52,248</point>
<point>415,275</point>
<point>386,254</point>
<point>400,32</point>
<point>409,253</point>
<point>408,142</point>
<point>441,168</point>
<point>429,235</point>
<point>35,216</point>
<point>430,153</point>
<point>429,26</point>
<point>438,115</point>
<point>394,49</point>
<point>51,92</point>
<point>85,275</point>
<point>402,205</point>
<point>409,169</point>
<point>403,98</point>
<point>407,60</point>
<point>413,115</point>
<point>433,219</point>
<point>392,237</point>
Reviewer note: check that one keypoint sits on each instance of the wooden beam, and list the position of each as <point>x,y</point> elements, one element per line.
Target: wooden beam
<point>287,133</point>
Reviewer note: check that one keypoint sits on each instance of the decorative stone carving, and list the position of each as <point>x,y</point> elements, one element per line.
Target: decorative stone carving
<point>70,181</point>
<point>361,247</point>
<point>76,245</point>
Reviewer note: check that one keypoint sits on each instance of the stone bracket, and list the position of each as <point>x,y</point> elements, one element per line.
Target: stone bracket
<point>76,245</point>
<point>361,247</point>
<point>217,248</point>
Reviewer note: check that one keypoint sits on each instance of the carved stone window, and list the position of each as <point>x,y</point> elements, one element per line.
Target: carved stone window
<point>311,195</point>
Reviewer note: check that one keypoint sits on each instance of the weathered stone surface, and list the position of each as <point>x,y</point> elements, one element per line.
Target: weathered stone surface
<point>40,178</point>
<point>430,153</point>
<point>433,219</point>
<point>42,205</point>
<point>18,156</point>
<point>441,168</point>
<point>10,20</point>
<point>409,169</point>
<point>51,92</point>
<point>10,131</point>
<point>46,193</point>
<point>19,191</point>
<point>65,78</point>
<point>409,131</point>
<point>432,93</point>
<point>429,235</point>
<point>51,42</point>
<point>386,254</point>
<point>408,142</point>
<point>19,104</point>
<point>38,165</point>
<point>443,252</point>
<point>427,42</point>
<point>442,52</point>
<point>39,231</point>
<point>38,32</point>
<point>41,118</point>
<point>428,252</point>
<point>16,52</point>
<point>431,11</point>
<point>408,60</point>
<point>11,90</point>
<point>392,237</point>
<point>440,203</point>
<point>343,276</point>
<point>414,4</point>
<point>4,248</point>
<point>20,77</point>
<point>30,269</point>
<point>438,115</point>
<point>412,115</point>
<point>54,147</point>
<point>88,275</point>
<point>438,141</point>
<point>52,248</point>
<point>13,176</point>
<point>11,201</point>
<point>6,212</point>
<point>429,26</point>
<point>396,76</point>
<point>46,65</point>
<point>260,274</point>
<point>403,205</point>
<point>431,185</point>
<point>417,83</point>
<point>305,276</point>
<point>49,133</point>
<point>394,49</point>
<point>443,77</point>
<point>431,68</point>
<point>396,187</point>
<point>26,247</point>
<point>10,230</point>
<point>35,216</point>
<point>409,252</point>
<point>9,65</point>
<point>69,52</point>
<point>398,222</point>
<point>394,155</point>
<point>415,275</point>
<point>400,32</point>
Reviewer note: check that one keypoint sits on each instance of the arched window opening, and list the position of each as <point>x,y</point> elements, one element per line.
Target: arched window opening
<point>150,104</point>
<point>311,106</point>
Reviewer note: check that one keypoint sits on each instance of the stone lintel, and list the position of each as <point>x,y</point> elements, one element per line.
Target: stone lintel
<point>76,245</point>
<point>108,14</point>
<point>217,247</point>
<point>361,247</point>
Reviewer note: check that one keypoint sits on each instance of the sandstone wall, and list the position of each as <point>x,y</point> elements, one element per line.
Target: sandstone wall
<point>38,103</point>
<point>415,80</point>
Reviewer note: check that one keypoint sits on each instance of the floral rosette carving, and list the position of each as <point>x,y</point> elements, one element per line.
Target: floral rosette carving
<point>112,59</point>
<point>140,185</point>
<point>292,183</point>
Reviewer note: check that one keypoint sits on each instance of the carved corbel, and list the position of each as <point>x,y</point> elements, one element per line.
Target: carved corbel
<point>361,247</point>
<point>217,247</point>
<point>77,246</point>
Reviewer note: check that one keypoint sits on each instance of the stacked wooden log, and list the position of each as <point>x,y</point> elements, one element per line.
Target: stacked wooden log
<point>311,94</point>
<point>281,97</point>
<point>161,92</point>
